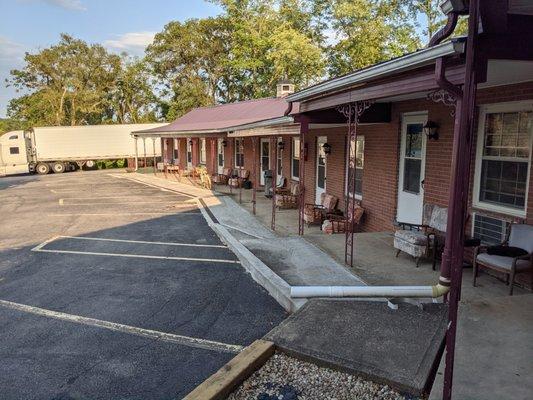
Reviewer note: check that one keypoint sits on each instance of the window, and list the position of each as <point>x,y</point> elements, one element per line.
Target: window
<point>14,137</point>
<point>203,152</point>
<point>13,150</point>
<point>189,151</point>
<point>295,158</point>
<point>489,230</point>
<point>413,158</point>
<point>176,150</point>
<point>359,152</point>
<point>239,153</point>
<point>503,159</point>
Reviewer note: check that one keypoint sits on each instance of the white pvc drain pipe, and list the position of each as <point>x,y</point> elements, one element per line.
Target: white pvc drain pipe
<point>369,291</point>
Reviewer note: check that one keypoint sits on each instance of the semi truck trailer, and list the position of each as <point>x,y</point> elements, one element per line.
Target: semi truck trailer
<point>64,148</point>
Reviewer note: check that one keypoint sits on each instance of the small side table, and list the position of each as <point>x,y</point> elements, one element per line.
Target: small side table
<point>469,242</point>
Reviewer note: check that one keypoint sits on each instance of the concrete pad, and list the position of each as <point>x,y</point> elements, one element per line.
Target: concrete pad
<point>494,350</point>
<point>300,263</point>
<point>396,347</point>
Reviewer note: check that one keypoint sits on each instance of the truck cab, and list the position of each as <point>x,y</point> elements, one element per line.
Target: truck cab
<point>14,153</point>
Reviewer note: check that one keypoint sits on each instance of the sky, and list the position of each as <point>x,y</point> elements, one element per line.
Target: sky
<point>120,25</point>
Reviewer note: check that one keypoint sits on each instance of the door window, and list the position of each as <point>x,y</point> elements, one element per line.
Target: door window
<point>265,155</point>
<point>413,158</point>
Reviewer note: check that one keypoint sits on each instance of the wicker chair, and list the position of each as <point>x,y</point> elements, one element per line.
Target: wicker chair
<point>288,198</point>
<point>316,213</point>
<point>520,236</point>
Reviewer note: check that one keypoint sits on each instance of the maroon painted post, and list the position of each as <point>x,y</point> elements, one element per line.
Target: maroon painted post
<point>213,157</point>
<point>274,146</point>
<point>452,258</point>
<point>254,174</point>
<point>241,151</point>
<point>231,155</point>
<point>154,155</point>
<point>304,130</point>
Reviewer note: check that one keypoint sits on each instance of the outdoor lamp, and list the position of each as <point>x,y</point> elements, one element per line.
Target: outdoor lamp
<point>431,129</point>
<point>327,148</point>
<point>281,145</point>
<point>224,143</point>
<point>457,6</point>
<point>190,141</point>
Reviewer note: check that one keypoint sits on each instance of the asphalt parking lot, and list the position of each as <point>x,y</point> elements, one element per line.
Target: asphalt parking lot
<point>111,289</point>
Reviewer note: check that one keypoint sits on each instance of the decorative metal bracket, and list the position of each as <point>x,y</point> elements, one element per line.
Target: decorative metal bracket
<point>355,109</point>
<point>444,97</point>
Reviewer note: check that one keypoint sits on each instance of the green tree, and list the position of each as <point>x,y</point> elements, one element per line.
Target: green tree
<point>132,99</point>
<point>369,31</point>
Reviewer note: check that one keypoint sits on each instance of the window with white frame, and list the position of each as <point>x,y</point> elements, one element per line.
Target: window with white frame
<point>295,158</point>
<point>503,158</point>
<point>239,153</point>
<point>359,152</point>
<point>203,152</point>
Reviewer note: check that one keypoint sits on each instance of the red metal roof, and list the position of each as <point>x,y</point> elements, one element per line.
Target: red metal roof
<point>220,117</point>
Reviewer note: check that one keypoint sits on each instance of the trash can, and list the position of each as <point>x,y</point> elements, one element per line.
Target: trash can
<point>268,183</point>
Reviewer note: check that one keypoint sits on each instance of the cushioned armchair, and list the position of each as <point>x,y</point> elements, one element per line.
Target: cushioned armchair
<point>316,213</point>
<point>288,198</point>
<point>222,179</point>
<point>520,237</point>
<point>419,240</point>
<point>241,176</point>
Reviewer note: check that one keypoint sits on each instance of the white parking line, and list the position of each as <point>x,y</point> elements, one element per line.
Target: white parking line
<point>219,246</point>
<point>157,335</point>
<point>93,253</point>
<point>173,213</point>
<point>39,248</point>
<point>129,202</point>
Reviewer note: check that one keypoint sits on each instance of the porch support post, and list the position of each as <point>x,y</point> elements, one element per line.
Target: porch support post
<point>144,147</point>
<point>274,142</point>
<point>452,258</point>
<point>214,161</point>
<point>350,186</point>
<point>304,130</point>
<point>241,151</point>
<point>254,174</point>
<point>153,148</point>
<point>136,153</point>
<point>231,163</point>
<point>352,112</point>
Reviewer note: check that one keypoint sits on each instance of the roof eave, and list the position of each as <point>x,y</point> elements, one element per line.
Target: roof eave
<point>409,61</point>
<point>264,123</point>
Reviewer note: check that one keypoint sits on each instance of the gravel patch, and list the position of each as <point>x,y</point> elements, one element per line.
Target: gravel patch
<point>286,378</point>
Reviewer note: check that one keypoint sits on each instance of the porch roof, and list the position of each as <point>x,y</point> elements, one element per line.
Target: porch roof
<point>271,127</point>
<point>385,69</point>
<point>221,118</point>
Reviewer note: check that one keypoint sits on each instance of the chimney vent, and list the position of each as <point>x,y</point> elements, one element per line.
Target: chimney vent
<point>284,88</point>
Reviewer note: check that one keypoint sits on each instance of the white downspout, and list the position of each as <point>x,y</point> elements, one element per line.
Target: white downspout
<point>370,291</point>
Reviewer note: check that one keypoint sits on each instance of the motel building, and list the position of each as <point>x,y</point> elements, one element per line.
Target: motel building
<point>385,148</point>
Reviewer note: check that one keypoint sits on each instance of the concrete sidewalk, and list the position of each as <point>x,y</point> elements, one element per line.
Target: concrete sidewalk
<point>274,261</point>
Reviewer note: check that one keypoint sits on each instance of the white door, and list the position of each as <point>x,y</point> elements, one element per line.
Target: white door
<point>265,158</point>
<point>412,167</point>
<point>220,156</point>
<point>321,167</point>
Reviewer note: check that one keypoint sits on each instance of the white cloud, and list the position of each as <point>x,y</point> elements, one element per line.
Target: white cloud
<point>133,43</point>
<point>75,5</point>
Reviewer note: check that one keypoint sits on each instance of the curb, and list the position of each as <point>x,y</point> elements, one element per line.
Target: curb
<point>275,285</point>
<point>219,385</point>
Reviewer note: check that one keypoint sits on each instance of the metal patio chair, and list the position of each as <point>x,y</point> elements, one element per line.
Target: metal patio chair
<point>316,213</point>
<point>520,236</point>
<point>288,198</point>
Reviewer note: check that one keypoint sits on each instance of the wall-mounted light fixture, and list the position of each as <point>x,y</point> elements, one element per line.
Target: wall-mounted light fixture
<point>224,143</point>
<point>327,148</point>
<point>431,129</point>
<point>281,145</point>
<point>190,141</point>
